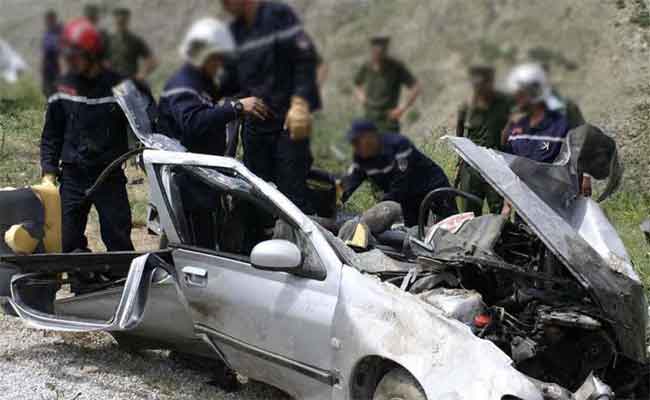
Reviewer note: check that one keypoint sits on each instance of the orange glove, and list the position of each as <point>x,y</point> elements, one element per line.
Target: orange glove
<point>299,119</point>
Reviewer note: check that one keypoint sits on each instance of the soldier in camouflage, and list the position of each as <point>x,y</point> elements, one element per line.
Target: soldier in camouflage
<point>481,119</point>
<point>129,54</point>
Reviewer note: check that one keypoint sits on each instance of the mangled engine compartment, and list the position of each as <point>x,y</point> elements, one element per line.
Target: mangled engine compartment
<point>498,277</point>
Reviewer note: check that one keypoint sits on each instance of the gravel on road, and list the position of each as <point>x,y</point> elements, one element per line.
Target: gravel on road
<point>42,365</point>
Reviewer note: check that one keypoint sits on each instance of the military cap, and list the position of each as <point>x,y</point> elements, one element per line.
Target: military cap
<point>359,127</point>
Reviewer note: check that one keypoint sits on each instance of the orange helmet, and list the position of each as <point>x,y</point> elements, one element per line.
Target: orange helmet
<point>81,35</point>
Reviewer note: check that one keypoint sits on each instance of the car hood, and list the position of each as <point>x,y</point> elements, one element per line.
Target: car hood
<point>573,227</point>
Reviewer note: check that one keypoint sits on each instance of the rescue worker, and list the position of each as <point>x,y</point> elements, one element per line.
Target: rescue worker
<point>189,107</point>
<point>92,13</point>
<point>130,56</point>
<point>574,115</point>
<point>534,131</point>
<point>190,111</point>
<point>378,86</point>
<point>84,131</point>
<point>481,120</point>
<point>396,167</point>
<point>50,70</point>
<point>277,63</point>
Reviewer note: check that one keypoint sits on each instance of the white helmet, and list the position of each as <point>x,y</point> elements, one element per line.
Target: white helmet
<point>532,78</point>
<point>206,37</point>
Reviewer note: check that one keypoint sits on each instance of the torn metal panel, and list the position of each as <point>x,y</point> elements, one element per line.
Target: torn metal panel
<point>380,319</point>
<point>127,316</point>
<point>573,228</point>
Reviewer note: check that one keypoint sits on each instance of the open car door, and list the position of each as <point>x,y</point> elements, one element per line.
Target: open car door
<point>269,325</point>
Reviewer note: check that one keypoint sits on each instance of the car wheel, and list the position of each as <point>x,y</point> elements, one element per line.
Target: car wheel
<point>398,384</point>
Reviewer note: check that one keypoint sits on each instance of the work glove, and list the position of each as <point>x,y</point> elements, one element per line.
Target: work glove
<point>299,119</point>
<point>20,241</point>
<point>48,179</point>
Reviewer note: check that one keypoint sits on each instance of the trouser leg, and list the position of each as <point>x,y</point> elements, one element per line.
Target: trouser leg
<point>293,161</point>
<point>112,203</point>
<point>258,154</point>
<point>74,211</point>
<point>472,183</point>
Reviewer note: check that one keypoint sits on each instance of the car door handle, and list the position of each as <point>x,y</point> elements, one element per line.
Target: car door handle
<point>195,276</point>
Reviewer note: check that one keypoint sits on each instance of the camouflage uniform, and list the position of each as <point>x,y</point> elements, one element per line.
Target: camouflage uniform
<point>383,88</point>
<point>125,50</point>
<point>483,126</point>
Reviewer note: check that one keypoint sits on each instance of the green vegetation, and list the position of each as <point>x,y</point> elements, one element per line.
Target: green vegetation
<point>641,16</point>
<point>21,118</point>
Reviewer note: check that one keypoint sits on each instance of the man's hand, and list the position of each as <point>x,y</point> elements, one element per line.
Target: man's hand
<point>339,193</point>
<point>299,119</point>
<point>360,95</point>
<point>396,113</point>
<point>586,186</point>
<point>48,179</point>
<point>507,209</point>
<point>255,107</point>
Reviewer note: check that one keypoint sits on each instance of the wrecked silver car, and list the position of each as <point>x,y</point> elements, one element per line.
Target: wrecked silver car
<point>548,307</point>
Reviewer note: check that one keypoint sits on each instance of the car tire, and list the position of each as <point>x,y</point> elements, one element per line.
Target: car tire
<point>398,384</point>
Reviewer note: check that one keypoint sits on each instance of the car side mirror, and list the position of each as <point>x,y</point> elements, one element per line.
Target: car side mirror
<point>276,255</point>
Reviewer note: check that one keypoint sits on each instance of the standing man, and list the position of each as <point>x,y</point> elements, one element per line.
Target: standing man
<point>84,131</point>
<point>378,86</point>
<point>277,63</point>
<point>535,131</point>
<point>50,70</point>
<point>190,111</point>
<point>481,120</point>
<point>189,107</point>
<point>401,171</point>
<point>92,13</point>
<point>130,55</point>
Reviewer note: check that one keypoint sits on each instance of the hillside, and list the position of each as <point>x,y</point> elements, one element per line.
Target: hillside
<point>598,49</point>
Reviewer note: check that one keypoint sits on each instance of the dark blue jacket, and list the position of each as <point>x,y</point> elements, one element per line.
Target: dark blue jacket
<point>541,142</point>
<point>276,60</point>
<point>189,111</point>
<point>84,126</point>
<point>50,63</point>
<point>401,171</point>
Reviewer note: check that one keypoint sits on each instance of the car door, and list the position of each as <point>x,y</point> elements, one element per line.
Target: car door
<point>271,326</point>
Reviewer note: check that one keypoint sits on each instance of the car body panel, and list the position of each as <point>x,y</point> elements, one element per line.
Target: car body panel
<point>374,318</point>
<point>574,229</point>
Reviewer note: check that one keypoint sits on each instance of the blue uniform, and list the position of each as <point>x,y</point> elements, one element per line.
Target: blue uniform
<point>404,174</point>
<point>276,61</point>
<point>50,63</point>
<point>189,112</point>
<point>541,142</point>
<point>85,130</point>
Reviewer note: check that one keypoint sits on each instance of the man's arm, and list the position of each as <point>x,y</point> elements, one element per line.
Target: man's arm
<point>359,89</point>
<point>149,62</point>
<point>404,158</point>
<point>52,138</point>
<point>414,88</point>
<point>198,119</point>
<point>351,182</point>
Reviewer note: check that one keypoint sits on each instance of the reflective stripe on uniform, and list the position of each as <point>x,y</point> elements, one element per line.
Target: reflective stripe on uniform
<point>377,171</point>
<point>404,153</point>
<point>353,168</point>
<point>81,99</point>
<point>536,137</point>
<point>186,90</point>
<point>269,39</point>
